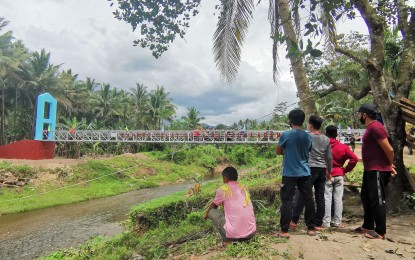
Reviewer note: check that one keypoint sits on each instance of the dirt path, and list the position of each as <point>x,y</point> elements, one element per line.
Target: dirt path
<point>342,243</point>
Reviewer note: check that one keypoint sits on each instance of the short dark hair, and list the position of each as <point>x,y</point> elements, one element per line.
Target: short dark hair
<point>231,173</point>
<point>331,131</point>
<point>296,117</point>
<point>315,121</point>
<point>369,109</point>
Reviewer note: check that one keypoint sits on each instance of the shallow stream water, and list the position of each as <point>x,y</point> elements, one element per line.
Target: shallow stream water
<point>37,233</point>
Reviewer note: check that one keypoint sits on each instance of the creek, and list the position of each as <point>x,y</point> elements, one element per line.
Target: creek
<point>38,233</point>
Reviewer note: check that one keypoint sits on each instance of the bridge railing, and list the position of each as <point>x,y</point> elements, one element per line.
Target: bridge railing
<point>181,136</point>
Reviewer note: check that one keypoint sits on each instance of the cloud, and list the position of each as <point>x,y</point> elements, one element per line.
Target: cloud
<point>85,37</point>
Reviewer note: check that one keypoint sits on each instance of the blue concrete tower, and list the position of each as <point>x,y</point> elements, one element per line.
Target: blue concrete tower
<point>45,117</point>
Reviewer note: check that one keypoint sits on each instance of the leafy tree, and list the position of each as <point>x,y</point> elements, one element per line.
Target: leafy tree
<point>159,21</point>
<point>221,127</point>
<point>386,92</point>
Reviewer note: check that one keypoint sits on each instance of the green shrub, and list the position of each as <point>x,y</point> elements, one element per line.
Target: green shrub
<point>242,154</point>
<point>266,150</point>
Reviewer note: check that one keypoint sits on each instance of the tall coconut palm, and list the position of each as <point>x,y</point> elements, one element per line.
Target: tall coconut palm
<point>140,97</point>
<point>40,76</point>
<point>82,104</point>
<point>104,103</point>
<point>124,106</point>
<point>70,93</point>
<point>90,84</point>
<point>159,107</point>
<point>11,56</point>
<point>192,118</point>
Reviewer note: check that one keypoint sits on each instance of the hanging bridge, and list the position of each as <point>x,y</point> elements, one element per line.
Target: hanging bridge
<point>180,136</point>
<point>45,130</point>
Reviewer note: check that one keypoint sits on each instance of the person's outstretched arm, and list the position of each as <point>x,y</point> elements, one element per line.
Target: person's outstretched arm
<point>211,206</point>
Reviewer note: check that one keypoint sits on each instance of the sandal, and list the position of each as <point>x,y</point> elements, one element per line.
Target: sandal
<point>311,233</point>
<point>360,230</point>
<point>341,226</point>
<point>373,235</point>
<point>280,235</point>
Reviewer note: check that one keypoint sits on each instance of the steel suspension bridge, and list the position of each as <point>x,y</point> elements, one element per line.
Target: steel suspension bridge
<point>180,136</point>
<point>45,130</point>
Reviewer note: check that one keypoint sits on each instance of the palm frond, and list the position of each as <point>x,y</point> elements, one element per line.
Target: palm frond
<point>229,36</point>
<point>3,23</point>
<point>274,20</point>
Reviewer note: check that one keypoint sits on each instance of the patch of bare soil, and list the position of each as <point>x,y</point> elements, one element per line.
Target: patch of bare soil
<point>59,162</point>
<point>59,168</point>
<point>343,244</point>
<point>47,163</point>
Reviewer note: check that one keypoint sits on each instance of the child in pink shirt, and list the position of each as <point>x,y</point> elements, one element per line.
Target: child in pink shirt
<point>237,221</point>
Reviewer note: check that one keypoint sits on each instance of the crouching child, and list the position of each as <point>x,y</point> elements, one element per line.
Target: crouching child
<point>236,222</point>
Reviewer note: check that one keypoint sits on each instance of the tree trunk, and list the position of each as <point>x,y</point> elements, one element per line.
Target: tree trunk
<point>307,102</point>
<point>391,114</point>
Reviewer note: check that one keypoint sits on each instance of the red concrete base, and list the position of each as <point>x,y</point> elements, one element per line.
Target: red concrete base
<point>28,149</point>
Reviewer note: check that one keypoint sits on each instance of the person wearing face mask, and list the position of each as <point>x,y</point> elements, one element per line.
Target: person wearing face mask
<point>377,155</point>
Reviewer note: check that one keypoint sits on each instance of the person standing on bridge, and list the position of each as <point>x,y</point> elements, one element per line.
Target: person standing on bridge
<point>320,163</point>
<point>196,134</point>
<point>378,157</point>
<point>295,146</point>
<point>237,220</point>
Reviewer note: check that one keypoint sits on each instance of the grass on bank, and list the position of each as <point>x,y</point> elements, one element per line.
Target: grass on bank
<point>92,179</point>
<point>176,233</point>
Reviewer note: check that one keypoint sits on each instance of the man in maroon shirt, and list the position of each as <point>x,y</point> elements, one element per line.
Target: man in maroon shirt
<point>377,155</point>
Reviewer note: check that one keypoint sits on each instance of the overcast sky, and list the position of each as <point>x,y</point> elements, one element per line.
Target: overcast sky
<point>85,37</point>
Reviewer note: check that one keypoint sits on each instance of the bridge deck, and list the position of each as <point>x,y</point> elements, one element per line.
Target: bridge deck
<point>180,136</point>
